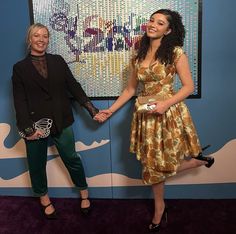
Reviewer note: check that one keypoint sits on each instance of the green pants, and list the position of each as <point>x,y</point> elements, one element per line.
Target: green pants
<point>37,159</point>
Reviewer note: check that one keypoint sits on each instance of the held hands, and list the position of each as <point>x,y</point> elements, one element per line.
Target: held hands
<point>160,107</point>
<point>103,115</point>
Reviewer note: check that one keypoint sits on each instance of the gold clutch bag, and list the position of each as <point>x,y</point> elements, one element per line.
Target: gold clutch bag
<point>143,103</point>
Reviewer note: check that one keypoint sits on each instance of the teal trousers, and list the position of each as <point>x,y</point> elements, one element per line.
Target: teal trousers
<point>37,159</point>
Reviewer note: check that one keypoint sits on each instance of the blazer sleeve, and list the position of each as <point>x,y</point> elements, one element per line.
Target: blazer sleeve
<point>73,86</point>
<point>77,91</point>
<point>20,100</point>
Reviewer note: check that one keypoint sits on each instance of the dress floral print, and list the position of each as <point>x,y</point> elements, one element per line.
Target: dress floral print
<point>162,141</point>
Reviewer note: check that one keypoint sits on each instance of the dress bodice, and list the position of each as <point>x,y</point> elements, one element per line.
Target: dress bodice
<point>158,78</point>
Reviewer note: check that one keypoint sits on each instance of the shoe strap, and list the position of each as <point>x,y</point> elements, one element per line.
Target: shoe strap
<point>47,205</point>
<point>153,225</point>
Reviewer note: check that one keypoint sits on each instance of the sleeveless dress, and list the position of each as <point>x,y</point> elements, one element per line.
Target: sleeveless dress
<point>161,142</point>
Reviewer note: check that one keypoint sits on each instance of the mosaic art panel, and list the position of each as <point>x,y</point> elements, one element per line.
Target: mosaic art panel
<point>97,37</point>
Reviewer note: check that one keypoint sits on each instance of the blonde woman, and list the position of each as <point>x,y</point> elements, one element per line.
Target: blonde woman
<point>41,83</point>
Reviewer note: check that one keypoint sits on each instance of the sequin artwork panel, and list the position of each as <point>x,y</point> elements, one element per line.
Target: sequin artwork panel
<point>97,38</point>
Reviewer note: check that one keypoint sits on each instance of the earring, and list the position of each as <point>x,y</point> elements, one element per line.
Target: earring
<point>167,33</point>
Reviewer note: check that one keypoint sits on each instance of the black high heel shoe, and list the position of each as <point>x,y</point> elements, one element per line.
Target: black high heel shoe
<point>53,215</point>
<point>86,210</point>
<point>210,160</point>
<point>156,227</point>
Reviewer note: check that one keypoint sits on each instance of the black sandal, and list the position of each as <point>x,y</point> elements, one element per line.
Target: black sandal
<point>53,215</point>
<point>85,210</point>
<point>153,227</point>
<point>210,160</point>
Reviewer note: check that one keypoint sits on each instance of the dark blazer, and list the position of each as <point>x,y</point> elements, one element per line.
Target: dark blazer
<point>36,97</point>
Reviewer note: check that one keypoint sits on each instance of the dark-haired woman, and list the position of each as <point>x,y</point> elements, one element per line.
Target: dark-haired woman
<point>163,136</point>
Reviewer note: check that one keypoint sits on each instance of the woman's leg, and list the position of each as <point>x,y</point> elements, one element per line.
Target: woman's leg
<point>158,192</point>
<point>37,159</point>
<point>65,144</point>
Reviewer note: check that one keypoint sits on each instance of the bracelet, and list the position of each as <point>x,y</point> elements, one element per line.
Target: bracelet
<point>29,131</point>
<point>110,110</point>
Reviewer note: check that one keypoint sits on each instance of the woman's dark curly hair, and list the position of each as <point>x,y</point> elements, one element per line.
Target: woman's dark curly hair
<point>175,38</point>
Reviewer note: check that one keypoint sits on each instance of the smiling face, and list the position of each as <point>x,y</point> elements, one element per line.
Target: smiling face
<point>38,40</point>
<point>158,26</point>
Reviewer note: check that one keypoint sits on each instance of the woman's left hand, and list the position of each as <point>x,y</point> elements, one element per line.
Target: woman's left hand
<point>161,107</point>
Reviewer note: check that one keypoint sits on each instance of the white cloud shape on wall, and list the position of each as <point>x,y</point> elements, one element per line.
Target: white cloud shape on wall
<point>223,171</point>
<point>18,150</point>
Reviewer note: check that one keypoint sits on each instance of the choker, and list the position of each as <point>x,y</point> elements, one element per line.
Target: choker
<point>38,58</point>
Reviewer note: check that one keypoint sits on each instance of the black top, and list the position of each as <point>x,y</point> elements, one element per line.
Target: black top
<point>41,88</point>
<point>40,63</point>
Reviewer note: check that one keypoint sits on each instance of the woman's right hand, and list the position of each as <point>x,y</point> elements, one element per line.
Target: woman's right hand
<point>35,136</point>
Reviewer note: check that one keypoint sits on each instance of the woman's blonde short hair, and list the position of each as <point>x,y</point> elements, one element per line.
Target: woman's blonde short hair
<point>32,29</point>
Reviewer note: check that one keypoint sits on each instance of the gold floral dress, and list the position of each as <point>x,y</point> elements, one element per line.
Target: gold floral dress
<point>162,141</point>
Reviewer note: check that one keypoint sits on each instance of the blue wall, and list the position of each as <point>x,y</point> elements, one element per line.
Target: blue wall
<point>214,114</point>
